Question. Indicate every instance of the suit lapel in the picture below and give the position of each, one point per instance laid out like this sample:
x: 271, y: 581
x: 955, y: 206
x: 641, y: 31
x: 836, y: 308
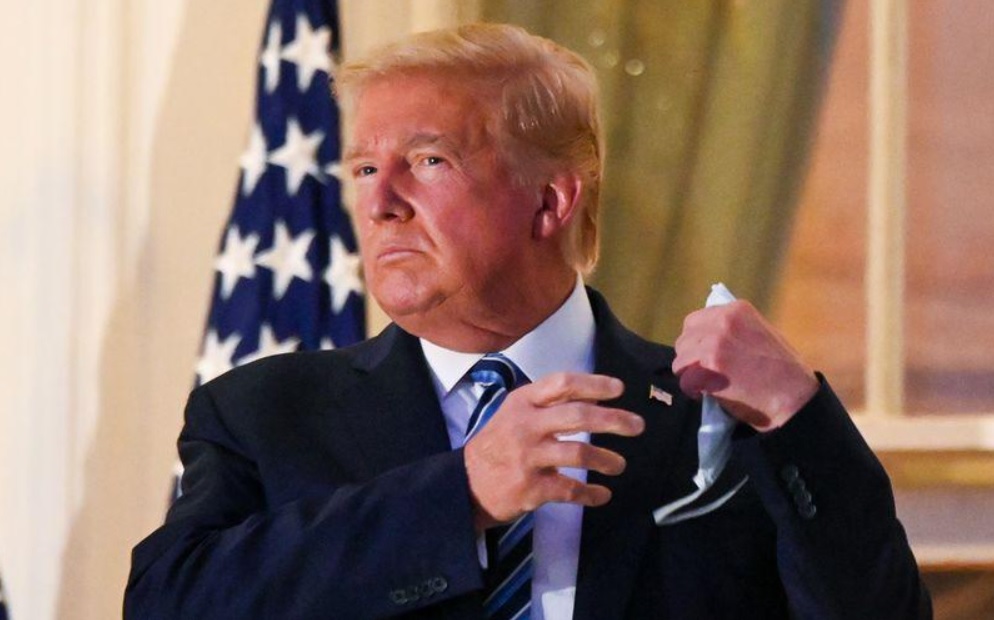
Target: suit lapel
x: 660, y: 464
x: 392, y: 408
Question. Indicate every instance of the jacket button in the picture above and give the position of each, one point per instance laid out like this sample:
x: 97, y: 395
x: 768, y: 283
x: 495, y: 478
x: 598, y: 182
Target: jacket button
x: 416, y: 592
x: 439, y: 584
x: 807, y: 511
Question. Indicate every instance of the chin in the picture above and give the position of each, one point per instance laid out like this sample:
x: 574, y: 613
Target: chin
x: 403, y: 303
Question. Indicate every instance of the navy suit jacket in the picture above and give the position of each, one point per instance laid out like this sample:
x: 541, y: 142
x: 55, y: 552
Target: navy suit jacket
x: 322, y: 485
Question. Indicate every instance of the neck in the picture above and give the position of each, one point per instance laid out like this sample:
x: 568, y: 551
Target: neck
x: 496, y: 326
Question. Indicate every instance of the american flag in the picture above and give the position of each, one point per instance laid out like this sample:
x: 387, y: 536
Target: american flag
x: 288, y: 274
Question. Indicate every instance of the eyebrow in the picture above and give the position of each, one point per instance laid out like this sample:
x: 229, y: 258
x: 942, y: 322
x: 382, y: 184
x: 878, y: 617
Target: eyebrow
x: 352, y: 153
x: 418, y: 140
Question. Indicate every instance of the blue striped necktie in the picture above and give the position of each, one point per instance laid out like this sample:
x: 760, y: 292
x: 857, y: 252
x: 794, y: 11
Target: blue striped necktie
x: 509, y: 547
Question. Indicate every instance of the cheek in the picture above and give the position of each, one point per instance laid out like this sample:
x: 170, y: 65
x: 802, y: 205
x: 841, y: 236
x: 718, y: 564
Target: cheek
x: 364, y: 237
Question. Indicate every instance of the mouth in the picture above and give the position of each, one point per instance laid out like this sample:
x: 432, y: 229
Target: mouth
x: 395, y: 253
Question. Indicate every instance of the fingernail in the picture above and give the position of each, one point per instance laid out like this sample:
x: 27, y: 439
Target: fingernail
x: 639, y: 425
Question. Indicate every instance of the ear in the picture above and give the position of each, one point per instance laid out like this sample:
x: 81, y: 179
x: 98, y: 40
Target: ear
x: 560, y: 202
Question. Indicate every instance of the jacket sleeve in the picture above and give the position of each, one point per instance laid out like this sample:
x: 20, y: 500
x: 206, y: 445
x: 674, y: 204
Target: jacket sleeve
x: 395, y: 543
x: 841, y: 551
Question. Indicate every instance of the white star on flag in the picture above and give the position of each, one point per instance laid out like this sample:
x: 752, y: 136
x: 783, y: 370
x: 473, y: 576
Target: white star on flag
x: 298, y: 155
x: 342, y: 274
x: 253, y: 160
x: 217, y: 356
x: 287, y: 258
x: 269, y: 345
x: 235, y: 261
x: 327, y: 344
x: 309, y: 50
x: 270, y: 57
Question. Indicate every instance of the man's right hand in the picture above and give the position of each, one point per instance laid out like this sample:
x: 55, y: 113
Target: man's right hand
x: 512, y: 463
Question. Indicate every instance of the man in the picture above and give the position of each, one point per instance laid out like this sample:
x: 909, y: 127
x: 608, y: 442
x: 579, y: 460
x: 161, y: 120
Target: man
x: 400, y: 476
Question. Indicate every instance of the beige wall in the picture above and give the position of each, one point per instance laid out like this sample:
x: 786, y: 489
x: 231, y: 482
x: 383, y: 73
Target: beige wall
x: 127, y: 131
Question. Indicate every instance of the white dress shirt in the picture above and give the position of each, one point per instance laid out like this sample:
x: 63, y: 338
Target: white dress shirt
x: 563, y: 342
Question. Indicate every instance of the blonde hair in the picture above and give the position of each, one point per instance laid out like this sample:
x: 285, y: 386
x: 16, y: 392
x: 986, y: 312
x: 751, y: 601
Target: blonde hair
x: 547, y: 112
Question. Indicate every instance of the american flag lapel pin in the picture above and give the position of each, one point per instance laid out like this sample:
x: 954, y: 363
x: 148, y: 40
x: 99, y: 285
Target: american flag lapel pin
x: 660, y: 394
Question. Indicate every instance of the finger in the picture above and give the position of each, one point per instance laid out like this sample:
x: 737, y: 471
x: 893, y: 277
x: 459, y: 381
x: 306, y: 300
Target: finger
x: 565, y: 387
x: 578, y: 454
x: 697, y: 318
x: 696, y: 380
x: 681, y: 362
x: 703, y: 332
x: 578, y: 417
x: 689, y: 348
x: 559, y: 488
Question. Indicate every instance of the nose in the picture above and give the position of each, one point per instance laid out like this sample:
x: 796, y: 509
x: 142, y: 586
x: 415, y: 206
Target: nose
x: 385, y: 201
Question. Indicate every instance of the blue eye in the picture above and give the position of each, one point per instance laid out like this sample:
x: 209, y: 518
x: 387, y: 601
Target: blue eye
x: 365, y: 171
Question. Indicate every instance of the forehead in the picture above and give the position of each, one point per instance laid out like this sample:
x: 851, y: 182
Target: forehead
x: 393, y: 109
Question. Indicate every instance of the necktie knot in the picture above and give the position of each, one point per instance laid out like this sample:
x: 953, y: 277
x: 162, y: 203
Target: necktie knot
x: 498, y: 375
x: 495, y: 369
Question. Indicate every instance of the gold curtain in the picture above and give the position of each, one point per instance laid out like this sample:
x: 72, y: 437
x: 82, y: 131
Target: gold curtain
x: 709, y: 109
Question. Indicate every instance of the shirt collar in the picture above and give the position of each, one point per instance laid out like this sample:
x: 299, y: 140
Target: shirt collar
x: 562, y: 342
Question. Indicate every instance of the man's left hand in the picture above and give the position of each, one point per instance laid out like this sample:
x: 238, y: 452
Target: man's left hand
x: 732, y: 353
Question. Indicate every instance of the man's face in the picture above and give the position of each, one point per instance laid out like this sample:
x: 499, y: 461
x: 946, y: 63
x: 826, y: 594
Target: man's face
x: 446, y: 234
